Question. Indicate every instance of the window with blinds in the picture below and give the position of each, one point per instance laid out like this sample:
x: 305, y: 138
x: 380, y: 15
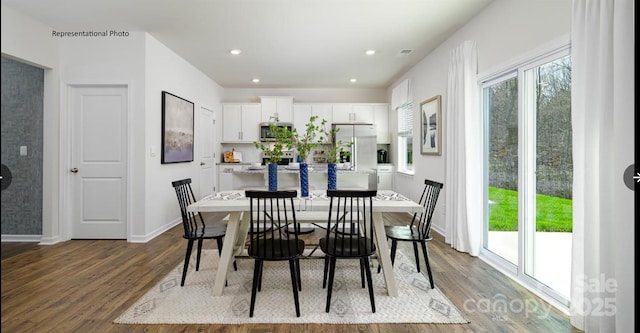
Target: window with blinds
x: 405, y: 119
x: 405, y: 138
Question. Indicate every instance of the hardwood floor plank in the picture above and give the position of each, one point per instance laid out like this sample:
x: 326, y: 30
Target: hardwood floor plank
x: 83, y: 285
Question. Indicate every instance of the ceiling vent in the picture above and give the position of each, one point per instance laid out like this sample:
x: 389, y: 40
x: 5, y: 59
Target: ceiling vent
x: 405, y: 52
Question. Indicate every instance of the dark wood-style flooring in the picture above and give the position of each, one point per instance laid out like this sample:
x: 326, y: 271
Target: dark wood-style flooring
x: 83, y: 285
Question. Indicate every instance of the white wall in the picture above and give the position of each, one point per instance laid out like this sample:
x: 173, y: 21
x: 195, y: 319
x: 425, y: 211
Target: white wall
x: 30, y: 41
x: 165, y: 70
x: 112, y: 60
x: 504, y: 31
x: 139, y: 61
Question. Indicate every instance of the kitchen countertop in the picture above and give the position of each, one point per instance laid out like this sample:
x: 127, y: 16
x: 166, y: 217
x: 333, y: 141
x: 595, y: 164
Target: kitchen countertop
x: 313, y: 169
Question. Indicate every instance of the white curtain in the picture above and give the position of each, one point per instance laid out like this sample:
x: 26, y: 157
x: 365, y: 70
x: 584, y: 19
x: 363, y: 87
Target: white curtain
x: 463, y: 179
x: 602, y: 106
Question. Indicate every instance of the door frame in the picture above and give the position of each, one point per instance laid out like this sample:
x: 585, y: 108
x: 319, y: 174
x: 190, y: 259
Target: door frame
x: 213, y: 151
x: 65, y: 189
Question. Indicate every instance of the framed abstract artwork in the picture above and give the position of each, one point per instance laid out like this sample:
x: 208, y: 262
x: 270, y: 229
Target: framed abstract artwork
x: 431, y: 136
x: 177, y: 129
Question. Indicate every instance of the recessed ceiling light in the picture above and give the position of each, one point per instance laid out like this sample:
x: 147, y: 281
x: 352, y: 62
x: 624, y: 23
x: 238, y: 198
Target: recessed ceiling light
x: 370, y: 52
x: 255, y: 80
x: 353, y: 80
x: 235, y: 51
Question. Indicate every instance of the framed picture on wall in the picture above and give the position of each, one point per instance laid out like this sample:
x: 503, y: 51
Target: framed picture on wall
x: 431, y: 129
x: 177, y: 129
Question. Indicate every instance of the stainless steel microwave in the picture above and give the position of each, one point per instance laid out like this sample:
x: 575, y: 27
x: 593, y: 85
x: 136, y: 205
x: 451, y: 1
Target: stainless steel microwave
x: 266, y: 135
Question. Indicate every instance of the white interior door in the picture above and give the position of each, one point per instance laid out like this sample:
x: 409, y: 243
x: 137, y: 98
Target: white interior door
x: 206, y: 139
x: 99, y: 162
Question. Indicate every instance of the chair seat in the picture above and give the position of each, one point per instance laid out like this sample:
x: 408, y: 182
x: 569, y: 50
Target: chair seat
x: 279, y: 249
x: 404, y: 233
x: 348, y: 247
x: 272, y: 214
x: 210, y: 232
x: 195, y: 229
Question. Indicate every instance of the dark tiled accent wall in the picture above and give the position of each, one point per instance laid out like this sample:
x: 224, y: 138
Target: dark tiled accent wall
x: 22, y: 104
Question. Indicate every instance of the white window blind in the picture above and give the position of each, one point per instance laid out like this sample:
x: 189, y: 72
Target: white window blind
x: 405, y: 119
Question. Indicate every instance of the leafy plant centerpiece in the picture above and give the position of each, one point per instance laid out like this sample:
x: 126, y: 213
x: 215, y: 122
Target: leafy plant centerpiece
x: 275, y: 150
x: 337, y: 148
x: 333, y: 154
x: 311, y: 138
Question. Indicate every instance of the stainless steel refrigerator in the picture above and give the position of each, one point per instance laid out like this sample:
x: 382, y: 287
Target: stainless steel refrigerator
x: 363, y: 151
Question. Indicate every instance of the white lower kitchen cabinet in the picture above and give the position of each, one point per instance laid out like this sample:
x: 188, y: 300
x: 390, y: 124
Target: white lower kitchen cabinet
x: 229, y: 178
x: 385, y: 177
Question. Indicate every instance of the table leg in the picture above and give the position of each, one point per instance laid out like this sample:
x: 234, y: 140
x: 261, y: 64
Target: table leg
x: 243, y: 231
x: 226, y: 257
x: 383, y: 254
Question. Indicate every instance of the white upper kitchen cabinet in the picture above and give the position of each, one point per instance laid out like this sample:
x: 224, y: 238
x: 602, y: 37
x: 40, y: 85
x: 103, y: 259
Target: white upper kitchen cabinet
x: 240, y: 122
x: 301, y: 115
x: 342, y: 113
x: 303, y: 112
x: 280, y: 107
x: 370, y: 113
x: 353, y: 113
x: 323, y: 111
x: 363, y: 113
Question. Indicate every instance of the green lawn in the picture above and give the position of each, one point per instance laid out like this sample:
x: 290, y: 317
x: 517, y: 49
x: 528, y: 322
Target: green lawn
x: 552, y: 214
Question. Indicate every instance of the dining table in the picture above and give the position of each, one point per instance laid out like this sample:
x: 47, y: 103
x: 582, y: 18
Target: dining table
x: 237, y: 205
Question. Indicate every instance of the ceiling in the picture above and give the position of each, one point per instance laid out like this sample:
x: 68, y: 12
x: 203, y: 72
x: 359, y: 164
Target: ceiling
x: 284, y: 43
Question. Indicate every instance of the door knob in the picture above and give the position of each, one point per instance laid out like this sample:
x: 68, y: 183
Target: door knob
x: 74, y: 170
x: 202, y: 163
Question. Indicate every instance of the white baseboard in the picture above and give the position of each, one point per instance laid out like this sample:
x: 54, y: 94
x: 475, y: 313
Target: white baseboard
x: 54, y: 240
x: 50, y: 240
x: 438, y: 230
x: 155, y: 233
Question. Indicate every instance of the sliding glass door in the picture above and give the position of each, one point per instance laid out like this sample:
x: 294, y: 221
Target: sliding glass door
x: 528, y: 172
x: 501, y: 106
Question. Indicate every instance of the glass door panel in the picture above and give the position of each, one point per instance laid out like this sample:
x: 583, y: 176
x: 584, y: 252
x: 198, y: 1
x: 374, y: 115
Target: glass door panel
x: 501, y: 104
x: 548, y: 240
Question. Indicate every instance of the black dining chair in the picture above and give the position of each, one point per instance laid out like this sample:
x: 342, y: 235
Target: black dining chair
x: 272, y: 213
x: 350, y: 235
x: 419, y: 231
x: 195, y: 228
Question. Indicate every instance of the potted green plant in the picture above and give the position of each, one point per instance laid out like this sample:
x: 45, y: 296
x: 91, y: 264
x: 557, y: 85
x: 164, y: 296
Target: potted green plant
x: 334, y: 152
x: 275, y: 150
x: 308, y: 140
x: 304, y: 143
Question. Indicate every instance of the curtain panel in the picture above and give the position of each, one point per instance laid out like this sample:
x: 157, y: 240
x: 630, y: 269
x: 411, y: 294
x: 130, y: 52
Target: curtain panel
x: 602, y: 107
x: 463, y: 179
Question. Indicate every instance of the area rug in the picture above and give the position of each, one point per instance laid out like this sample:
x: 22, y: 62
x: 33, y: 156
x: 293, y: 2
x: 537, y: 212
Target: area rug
x: 168, y: 303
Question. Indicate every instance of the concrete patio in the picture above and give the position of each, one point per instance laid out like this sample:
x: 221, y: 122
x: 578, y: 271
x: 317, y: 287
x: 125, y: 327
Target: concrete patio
x: 552, y: 256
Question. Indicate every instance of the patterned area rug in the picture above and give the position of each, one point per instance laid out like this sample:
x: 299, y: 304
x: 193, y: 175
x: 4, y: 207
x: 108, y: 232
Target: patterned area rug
x: 168, y: 303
